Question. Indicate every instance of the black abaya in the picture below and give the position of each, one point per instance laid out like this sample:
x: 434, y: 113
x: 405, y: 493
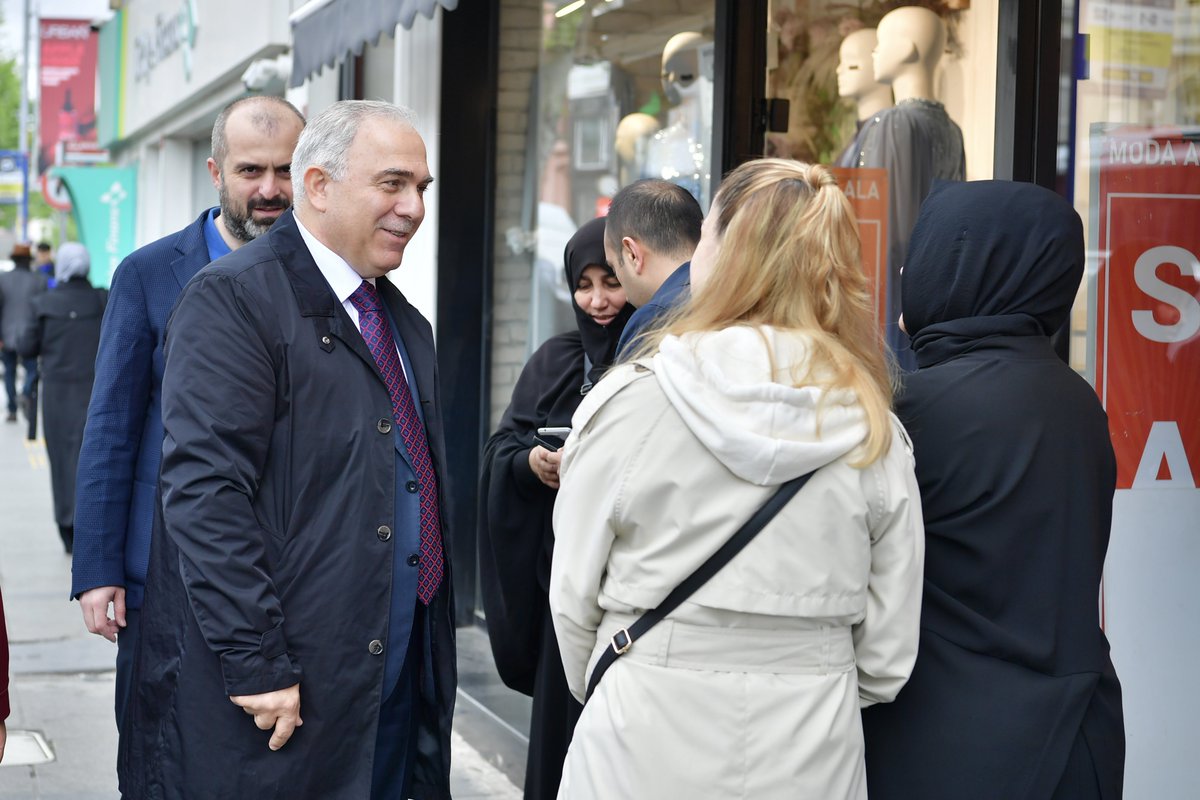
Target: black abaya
x: 1013, y: 694
x: 64, y: 331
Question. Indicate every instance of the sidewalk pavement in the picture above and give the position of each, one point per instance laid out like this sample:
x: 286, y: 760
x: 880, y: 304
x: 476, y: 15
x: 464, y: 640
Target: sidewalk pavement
x: 62, y: 741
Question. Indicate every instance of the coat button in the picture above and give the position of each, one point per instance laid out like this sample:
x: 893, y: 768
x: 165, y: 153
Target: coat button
x: 384, y: 533
x: 375, y: 647
x: 413, y: 560
x: 411, y: 487
x: 325, y: 340
x: 384, y: 425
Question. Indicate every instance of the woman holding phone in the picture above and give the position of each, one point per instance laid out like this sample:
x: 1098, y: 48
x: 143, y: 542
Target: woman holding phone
x: 517, y: 493
x: 774, y: 370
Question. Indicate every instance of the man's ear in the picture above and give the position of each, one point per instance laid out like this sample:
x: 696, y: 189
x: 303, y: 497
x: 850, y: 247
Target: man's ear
x: 637, y: 254
x: 214, y: 172
x: 316, y: 188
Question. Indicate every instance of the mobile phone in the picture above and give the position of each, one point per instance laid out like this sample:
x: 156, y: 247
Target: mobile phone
x: 552, y: 438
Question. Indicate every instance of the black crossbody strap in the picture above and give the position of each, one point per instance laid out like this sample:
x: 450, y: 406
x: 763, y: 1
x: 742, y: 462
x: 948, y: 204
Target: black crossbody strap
x: 623, y: 639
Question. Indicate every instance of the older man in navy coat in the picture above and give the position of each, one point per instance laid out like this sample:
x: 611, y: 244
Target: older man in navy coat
x: 117, y: 480
x: 298, y: 638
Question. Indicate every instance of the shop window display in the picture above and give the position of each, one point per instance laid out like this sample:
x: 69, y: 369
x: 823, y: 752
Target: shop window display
x: 864, y: 89
x: 623, y: 92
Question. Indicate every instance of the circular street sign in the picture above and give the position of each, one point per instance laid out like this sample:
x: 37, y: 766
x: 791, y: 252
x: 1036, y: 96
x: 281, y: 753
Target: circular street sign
x: 55, y: 192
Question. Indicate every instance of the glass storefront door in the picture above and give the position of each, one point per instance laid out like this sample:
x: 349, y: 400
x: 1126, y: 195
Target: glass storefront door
x: 1130, y: 162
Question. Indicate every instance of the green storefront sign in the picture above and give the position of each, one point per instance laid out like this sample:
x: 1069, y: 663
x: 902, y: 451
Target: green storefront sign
x: 105, y: 203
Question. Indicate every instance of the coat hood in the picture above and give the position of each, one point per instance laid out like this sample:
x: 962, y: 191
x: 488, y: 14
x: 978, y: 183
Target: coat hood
x: 733, y: 389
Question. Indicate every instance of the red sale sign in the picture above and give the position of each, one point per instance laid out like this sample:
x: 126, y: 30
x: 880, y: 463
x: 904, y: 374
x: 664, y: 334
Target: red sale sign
x: 867, y: 190
x: 1148, y: 303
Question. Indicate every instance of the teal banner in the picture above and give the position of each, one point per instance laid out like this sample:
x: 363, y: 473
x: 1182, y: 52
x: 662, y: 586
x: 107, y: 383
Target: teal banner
x: 104, y: 200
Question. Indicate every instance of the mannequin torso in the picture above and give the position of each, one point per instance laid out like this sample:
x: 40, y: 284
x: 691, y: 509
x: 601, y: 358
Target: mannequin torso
x: 916, y: 141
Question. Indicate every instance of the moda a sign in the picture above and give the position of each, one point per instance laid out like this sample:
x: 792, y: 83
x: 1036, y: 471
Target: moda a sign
x: 169, y: 34
x: 1148, y: 304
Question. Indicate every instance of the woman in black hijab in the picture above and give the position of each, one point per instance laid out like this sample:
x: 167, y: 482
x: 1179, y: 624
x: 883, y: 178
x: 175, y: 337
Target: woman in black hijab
x: 64, y: 330
x: 1013, y: 694
x: 517, y: 491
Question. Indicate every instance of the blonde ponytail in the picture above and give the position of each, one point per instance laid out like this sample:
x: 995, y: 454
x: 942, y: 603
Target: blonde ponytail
x: 794, y: 261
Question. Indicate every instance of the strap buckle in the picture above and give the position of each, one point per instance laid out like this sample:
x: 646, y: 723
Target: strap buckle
x: 621, y: 641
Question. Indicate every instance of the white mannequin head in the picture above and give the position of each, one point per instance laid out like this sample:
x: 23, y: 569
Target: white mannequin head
x: 856, y: 74
x: 681, y: 66
x: 911, y: 41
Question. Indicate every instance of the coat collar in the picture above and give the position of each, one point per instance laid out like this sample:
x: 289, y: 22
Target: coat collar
x: 316, y: 299
x: 192, y: 251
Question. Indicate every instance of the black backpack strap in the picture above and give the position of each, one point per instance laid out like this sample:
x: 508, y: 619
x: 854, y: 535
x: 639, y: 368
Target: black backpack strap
x: 623, y: 639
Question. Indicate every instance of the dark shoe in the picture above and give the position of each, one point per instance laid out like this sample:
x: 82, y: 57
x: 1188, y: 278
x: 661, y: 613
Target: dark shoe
x: 12, y: 417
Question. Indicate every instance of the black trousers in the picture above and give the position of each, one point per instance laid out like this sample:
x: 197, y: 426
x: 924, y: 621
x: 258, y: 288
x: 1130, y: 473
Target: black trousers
x: 127, y: 639
x: 396, y: 738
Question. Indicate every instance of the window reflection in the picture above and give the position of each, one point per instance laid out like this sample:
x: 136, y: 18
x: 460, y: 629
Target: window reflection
x: 624, y: 91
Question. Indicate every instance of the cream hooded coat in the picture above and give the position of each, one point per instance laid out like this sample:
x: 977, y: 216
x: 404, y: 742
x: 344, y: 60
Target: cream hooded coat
x: 752, y: 688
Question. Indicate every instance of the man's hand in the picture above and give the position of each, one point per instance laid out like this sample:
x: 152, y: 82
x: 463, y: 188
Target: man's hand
x: 95, y: 603
x: 544, y: 464
x: 279, y: 710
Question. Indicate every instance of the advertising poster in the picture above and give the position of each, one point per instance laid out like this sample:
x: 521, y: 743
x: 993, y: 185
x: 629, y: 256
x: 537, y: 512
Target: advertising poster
x: 68, y: 86
x: 1144, y: 243
x: 1148, y: 304
x: 1131, y: 42
x: 105, y: 204
x: 867, y: 190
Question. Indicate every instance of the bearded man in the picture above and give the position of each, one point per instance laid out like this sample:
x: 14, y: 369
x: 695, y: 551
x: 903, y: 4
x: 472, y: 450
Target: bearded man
x: 252, y: 143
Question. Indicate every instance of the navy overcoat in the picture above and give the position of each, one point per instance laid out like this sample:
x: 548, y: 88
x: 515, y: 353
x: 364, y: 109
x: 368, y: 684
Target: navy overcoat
x: 267, y: 562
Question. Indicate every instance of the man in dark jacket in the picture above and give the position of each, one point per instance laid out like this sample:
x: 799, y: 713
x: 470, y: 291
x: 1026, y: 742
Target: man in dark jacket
x: 652, y: 229
x: 298, y: 606
x: 17, y: 290
x: 116, y: 489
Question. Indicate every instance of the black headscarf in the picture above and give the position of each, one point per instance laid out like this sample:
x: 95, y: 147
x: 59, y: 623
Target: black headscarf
x: 585, y: 249
x: 554, y: 381
x: 516, y: 536
x: 989, y: 258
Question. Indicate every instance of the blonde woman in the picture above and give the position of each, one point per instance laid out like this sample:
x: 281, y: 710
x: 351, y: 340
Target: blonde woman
x: 751, y: 688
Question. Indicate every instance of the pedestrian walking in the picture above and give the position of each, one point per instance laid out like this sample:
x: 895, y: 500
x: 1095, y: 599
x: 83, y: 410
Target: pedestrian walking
x: 18, y: 287
x: 517, y: 491
x: 64, y: 332
x: 298, y: 621
x: 1014, y: 694
x: 773, y: 374
x: 43, y: 260
x: 117, y: 487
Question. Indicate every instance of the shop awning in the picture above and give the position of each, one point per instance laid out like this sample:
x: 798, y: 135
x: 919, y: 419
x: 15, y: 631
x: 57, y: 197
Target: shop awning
x: 325, y: 31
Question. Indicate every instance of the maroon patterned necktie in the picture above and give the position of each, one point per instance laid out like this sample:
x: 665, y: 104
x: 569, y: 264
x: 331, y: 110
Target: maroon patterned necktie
x: 377, y: 333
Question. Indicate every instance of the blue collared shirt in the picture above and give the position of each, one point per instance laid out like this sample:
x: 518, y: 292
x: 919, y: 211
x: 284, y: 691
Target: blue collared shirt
x: 212, y: 237
x: 674, y: 290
